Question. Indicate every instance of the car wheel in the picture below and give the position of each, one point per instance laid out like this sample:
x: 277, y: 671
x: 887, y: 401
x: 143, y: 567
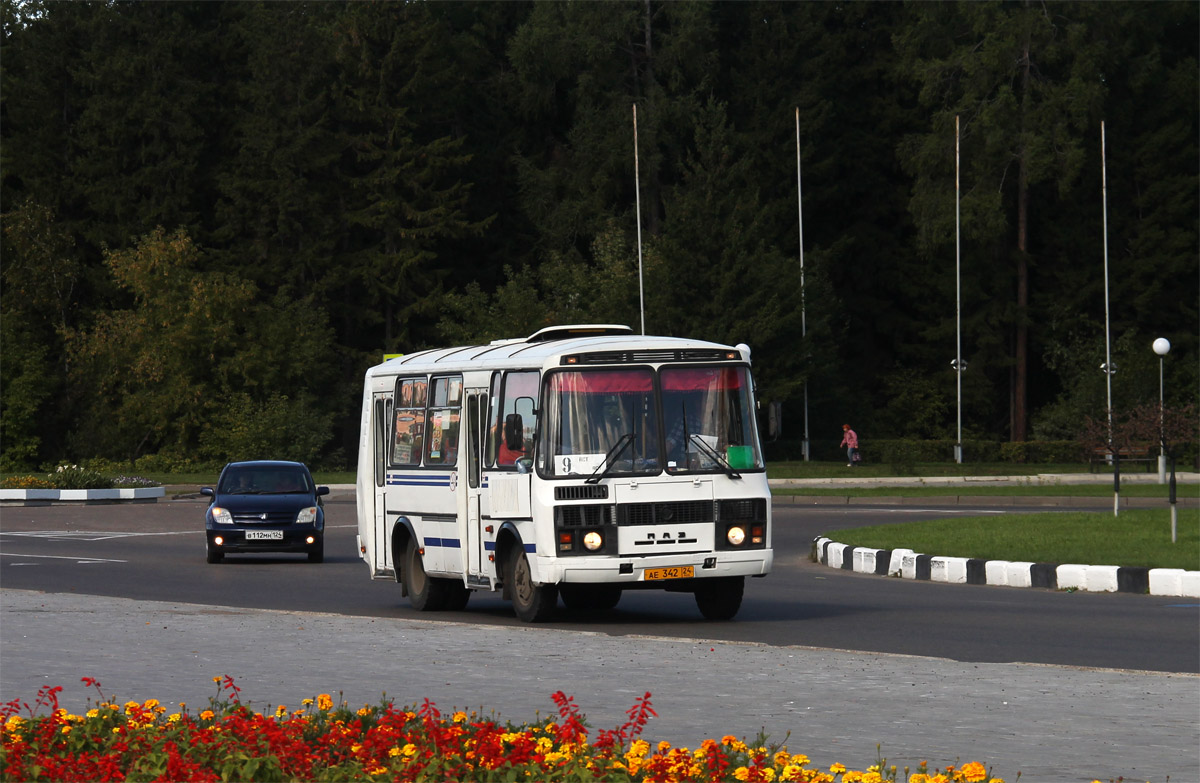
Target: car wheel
x: 590, y: 598
x: 532, y: 603
x: 425, y: 593
x: 214, y: 555
x: 720, y: 598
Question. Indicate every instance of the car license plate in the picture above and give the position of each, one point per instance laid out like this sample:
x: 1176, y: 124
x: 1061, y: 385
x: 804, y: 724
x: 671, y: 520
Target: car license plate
x: 264, y: 535
x: 676, y: 572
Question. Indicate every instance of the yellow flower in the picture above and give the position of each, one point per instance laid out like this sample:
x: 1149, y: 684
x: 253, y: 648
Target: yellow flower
x: 409, y: 750
x: 324, y: 701
x: 459, y: 717
x: 838, y: 769
x: 217, y: 679
x: 973, y: 772
x: 207, y: 715
x: 664, y: 746
x: 741, y: 773
x: 364, y: 712
x: 280, y: 711
x: 66, y: 729
x: 306, y: 702
x: 93, y: 713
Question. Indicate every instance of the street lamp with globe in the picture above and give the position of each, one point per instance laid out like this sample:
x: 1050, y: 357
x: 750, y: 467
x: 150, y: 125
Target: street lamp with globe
x: 1162, y: 347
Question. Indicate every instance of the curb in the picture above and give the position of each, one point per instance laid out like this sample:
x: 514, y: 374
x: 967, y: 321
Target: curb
x: 29, y: 497
x: 907, y: 564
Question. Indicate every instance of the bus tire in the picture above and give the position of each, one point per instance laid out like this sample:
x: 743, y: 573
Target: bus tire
x: 425, y: 593
x: 531, y: 603
x: 457, y: 595
x: 720, y: 598
x: 590, y: 598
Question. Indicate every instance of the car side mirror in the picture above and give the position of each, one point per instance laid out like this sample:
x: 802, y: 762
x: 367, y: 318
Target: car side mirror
x: 514, y: 432
x: 322, y: 491
x: 207, y: 491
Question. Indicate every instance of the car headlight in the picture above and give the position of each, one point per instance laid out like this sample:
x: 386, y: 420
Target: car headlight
x: 593, y: 540
x: 736, y: 535
x: 307, y: 516
x: 222, y: 516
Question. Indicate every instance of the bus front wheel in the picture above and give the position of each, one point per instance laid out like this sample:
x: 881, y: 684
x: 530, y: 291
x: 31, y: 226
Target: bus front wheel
x: 720, y: 598
x: 532, y: 603
x: 424, y: 592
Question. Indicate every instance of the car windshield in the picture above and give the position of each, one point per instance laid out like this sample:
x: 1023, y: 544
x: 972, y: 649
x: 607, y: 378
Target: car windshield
x: 264, y: 481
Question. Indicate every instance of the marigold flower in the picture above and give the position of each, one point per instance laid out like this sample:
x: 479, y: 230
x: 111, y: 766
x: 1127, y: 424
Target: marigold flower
x: 742, y: 773
x: 837, y: 769
x: 207, y: 715
x: 460, y: 717
x: 973, y: 772
x: 324, y: 701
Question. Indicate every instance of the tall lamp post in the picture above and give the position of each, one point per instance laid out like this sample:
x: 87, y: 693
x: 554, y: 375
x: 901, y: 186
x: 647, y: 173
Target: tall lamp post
x: 1162, y: 346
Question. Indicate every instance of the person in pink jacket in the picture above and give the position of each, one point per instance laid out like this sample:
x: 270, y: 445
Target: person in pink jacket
x: 850, y: 441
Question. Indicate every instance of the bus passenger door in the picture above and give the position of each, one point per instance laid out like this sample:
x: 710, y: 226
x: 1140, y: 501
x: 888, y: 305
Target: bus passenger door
x: 477, y: 401
x: 382, y: 426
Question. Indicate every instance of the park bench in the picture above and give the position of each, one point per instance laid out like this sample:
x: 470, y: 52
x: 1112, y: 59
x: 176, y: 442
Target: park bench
x: 1102, y: 456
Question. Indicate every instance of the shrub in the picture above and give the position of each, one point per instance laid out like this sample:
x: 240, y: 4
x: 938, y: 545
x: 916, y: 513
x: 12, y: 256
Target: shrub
x: 75, y: 477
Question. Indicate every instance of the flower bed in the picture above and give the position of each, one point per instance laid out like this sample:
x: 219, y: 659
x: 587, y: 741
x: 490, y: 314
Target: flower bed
x: 71, y: 482
x: 322, y: 741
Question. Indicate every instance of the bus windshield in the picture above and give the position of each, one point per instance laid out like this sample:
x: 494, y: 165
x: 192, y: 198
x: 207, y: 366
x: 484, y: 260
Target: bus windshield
x: 709, y: 422
x: 594, y: 417
x: 606, y: 422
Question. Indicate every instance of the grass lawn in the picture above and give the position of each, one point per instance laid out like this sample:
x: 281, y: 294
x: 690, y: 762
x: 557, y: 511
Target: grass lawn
x: 1138, y: 537
x: 1053, y: 490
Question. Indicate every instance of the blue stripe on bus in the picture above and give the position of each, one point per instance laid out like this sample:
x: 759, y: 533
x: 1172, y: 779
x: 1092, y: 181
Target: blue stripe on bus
x: 490, y: 546
x: 448, y: 543
x: 418, y: 481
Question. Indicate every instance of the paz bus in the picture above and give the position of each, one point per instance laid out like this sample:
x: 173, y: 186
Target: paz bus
x: 576, y: 463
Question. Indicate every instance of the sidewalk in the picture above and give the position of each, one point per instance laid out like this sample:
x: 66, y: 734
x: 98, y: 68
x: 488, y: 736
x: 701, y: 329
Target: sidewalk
x: 1051, y: 723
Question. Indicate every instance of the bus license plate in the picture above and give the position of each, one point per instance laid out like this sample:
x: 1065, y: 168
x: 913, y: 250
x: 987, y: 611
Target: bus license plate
x: 677, y: 572
x: 264, y: 535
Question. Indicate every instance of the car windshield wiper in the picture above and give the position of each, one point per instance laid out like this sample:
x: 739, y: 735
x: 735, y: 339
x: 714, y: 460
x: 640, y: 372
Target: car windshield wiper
x: 714, y: 455
x: 616, y: 451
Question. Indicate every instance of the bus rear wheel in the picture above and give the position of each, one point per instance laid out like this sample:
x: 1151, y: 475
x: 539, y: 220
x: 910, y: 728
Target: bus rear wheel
x: 532, y: 603
x: 425, y: 593
x: 721, y: 597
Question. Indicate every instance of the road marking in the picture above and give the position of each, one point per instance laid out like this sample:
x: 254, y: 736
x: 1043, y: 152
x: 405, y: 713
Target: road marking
x: 82, y: 535
x: 76, y: 558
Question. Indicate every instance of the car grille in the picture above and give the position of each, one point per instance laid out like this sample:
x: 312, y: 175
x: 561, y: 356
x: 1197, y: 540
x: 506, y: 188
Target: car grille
x: 264, y: 518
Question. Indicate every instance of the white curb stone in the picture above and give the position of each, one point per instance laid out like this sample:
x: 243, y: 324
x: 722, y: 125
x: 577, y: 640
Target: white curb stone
x: 1072, y: 576
x: 895, y: 565
x: 996, y: 572
x: 948, y: 569
x: 1102, y: 579
x: 908, y: 565
x: 1190, y: 584
x: 837, y: 553
x: 864, y: 561
x: 1166, y: 581
x: 1019, y: 574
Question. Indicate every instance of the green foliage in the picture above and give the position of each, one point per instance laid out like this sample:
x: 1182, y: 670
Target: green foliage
x: 336, y: 181
x: 276, y: 428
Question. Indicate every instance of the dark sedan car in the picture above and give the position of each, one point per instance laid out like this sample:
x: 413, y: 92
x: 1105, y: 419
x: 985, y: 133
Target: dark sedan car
x: 265, y: 506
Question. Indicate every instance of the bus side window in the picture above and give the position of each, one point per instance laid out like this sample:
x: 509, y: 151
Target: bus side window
x: 410, y: 422
x: 516, y: 418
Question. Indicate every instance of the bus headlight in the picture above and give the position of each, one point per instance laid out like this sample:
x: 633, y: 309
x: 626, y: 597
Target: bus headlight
x: 222, y: 516
x: 736, y: 535
x: 593, y: 541
x: 307, y: 516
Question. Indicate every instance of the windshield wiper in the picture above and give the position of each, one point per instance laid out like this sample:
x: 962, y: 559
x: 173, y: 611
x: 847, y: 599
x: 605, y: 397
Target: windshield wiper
x: 714, y: 455
x: 616, y: 451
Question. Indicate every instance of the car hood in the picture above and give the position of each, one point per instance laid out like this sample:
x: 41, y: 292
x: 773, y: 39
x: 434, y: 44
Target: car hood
x: 289, y: 502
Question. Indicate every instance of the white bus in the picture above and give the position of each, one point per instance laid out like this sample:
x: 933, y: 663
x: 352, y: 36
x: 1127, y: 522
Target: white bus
x: 579, y: 462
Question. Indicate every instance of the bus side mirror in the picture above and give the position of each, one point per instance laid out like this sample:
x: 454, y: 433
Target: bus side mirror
x: 514, y: 432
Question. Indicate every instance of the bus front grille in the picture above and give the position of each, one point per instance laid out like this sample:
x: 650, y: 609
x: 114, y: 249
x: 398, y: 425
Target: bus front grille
x: 583, y: 516
x: 680, y: 512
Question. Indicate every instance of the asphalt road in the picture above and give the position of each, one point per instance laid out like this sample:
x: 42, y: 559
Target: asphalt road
x: 156, y: 552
